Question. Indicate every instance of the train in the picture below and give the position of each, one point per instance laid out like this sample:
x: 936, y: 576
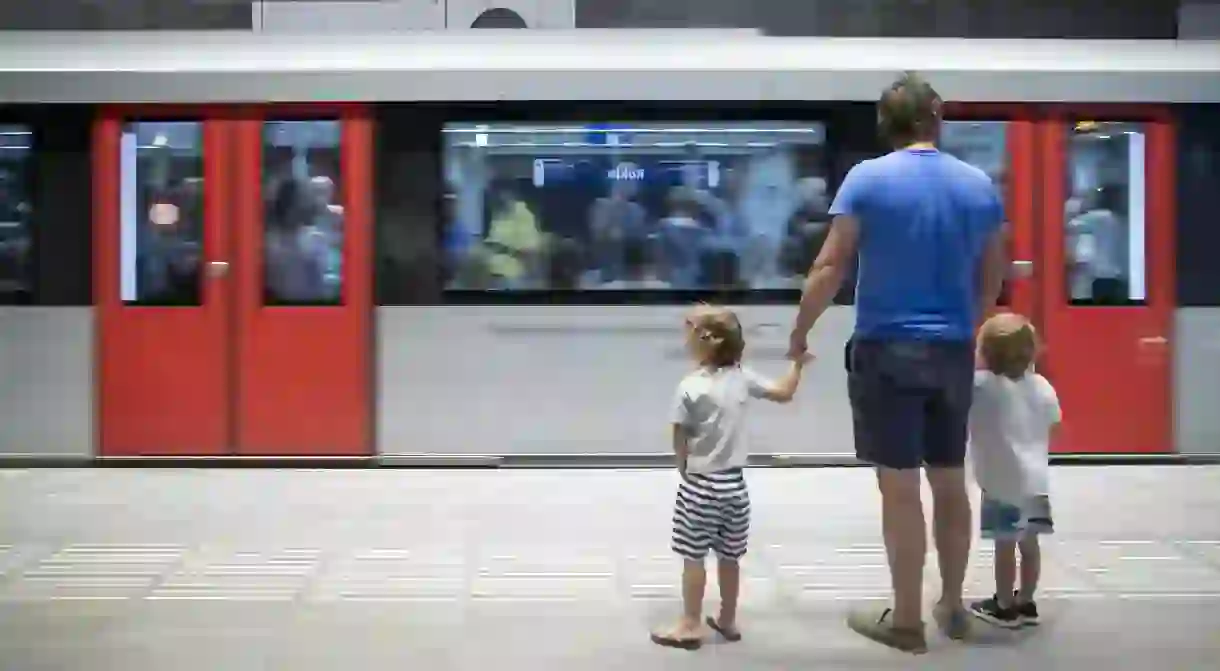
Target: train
x: 476, y: 248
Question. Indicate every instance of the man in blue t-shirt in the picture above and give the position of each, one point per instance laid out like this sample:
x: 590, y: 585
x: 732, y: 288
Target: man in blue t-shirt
x: 927, y: 230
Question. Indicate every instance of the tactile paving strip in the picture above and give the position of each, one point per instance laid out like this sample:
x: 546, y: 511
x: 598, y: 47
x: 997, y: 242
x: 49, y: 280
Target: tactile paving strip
x: 829, y: 572
x: 279, y: 575
x: 8, y: 558
x: 455, y: 574
x: 656, y: 577
x: 392, y: 575
x: 539, y: 574
x: 93, y: 572
x: 1145, y: 566
x: 1207, y: 550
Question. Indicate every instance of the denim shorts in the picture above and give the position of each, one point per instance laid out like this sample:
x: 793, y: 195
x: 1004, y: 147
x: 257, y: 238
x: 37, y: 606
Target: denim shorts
x: 1006, y: 522
x: 910, y: 401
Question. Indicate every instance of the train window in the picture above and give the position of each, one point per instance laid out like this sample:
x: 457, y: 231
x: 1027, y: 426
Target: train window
x: 1104, y: 214
x: 161, y: 212
x: 983, y: 144
x: 16, y: 271
x: 640, y: 207
x: 303, y: 222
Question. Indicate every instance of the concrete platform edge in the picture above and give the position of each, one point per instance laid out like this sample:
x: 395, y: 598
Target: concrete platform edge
x: 631, y: 461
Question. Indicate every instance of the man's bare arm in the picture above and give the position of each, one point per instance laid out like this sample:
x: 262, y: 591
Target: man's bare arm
x: 827, y: 273
x: 994, y: 268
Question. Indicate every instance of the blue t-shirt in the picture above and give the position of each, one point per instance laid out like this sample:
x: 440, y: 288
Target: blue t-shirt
x: 925, y: 218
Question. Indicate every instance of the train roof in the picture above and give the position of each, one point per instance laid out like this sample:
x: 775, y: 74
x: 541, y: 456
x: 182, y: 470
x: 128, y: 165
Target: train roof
x: 198, y: 67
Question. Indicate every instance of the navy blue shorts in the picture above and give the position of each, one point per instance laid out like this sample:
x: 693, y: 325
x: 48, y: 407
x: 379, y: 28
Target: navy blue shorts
x: 910, y: 401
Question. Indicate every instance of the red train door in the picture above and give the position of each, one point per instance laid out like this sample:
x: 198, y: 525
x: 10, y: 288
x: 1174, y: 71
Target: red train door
x: 305, y: 374
x: 164, y: 315
x: 1107, y: 283
x: 233, y: 281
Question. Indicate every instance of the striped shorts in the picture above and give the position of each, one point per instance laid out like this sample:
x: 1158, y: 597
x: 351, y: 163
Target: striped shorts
x: 712, y: 513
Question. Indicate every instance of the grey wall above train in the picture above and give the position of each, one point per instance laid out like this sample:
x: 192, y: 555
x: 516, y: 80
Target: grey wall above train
x: 549, y: 65
x: 1071, y: 19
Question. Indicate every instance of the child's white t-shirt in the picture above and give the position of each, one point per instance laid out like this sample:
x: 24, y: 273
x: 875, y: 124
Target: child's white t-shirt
x: 711, y: 406
x: 1010, y: 428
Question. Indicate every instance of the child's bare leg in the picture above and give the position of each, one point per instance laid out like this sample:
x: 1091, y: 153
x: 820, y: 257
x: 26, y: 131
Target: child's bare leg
x: 694, y: 582
x: 1005, y: 571
x: 1031, y: 568
x: 729, y: 575
x: 688, y: 632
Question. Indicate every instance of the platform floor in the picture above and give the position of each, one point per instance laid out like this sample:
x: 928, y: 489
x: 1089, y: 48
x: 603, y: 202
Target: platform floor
x: 214, y: 570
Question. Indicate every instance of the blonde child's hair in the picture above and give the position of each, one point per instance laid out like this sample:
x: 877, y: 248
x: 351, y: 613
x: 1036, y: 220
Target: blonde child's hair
x: 719, y: 331
x: 1008, y: 345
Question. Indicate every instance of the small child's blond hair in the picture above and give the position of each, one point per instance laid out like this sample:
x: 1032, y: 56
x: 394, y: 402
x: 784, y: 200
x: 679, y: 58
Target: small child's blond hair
x: 1008, y: 345
x: 719, y: 330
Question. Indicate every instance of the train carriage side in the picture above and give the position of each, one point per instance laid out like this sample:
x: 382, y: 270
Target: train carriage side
x: 491, y: 267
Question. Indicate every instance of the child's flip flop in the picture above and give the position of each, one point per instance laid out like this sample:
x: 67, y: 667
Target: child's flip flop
x: 730, y: 636
x: 679, y: 643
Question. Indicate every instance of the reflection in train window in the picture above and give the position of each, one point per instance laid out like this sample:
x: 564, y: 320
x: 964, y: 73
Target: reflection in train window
x: 632, y: 206
x: 15, y: 212
x: 303, y: 222
x: 1104, y: 214
x: 983, y: 144
x: 161, y: 212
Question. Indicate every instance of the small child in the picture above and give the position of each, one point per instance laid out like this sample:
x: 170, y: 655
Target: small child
x: 1014, y: 412
x: 709, y: 434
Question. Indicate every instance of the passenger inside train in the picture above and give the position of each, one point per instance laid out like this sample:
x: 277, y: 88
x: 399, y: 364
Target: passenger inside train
x: 682, y: 206
x: 15, y: 212
x: 168, y: 259
x: 303, y: 223
x: 1101, y: 242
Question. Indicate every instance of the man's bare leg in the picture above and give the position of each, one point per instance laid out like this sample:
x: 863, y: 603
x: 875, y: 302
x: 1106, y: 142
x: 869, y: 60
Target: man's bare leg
x: 905, y: 534
x: 951, y: 530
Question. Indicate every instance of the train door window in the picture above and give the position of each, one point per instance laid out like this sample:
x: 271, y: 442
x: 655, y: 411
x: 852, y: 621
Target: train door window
x: 983, y: 144
x: 16, y: 152
x: 303, y: 222
x: 161, y: 211
x: 1104, y: 228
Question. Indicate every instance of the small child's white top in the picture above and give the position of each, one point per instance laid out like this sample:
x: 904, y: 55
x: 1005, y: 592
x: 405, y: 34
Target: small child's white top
x: 1010, y: 431
x: 711, y: 406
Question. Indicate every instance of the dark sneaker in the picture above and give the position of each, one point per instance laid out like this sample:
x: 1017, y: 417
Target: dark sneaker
x: 1028, y: 612
x: 990, y: 611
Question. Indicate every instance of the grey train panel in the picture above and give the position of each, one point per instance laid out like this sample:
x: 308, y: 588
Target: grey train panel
x: 330, y: 16
x: 582, y: 381
x: 565, y: 65
x: 46, y: 382
x: 1197, y: 380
